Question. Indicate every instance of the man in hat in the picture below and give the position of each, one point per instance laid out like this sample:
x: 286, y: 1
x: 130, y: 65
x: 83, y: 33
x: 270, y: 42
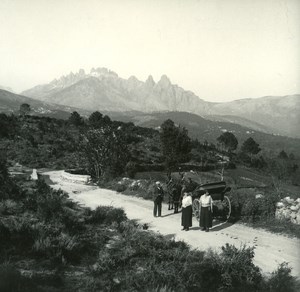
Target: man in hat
x: 158, y: 196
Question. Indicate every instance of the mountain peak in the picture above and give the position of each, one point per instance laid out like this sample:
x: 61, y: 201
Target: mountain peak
x: 150, y: 82
x: 164, y: 81
x: 102, y: 72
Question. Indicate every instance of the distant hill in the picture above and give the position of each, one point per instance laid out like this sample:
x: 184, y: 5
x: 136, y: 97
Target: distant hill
x: 10, y: 103
x: 280, y: 114
x: 6, y: 88
x: 198, y: 127
x: 240, y: 121
x: 204, y: 129
x: 103, y: 90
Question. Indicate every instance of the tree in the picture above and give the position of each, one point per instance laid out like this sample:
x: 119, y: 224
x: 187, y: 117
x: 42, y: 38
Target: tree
x: 175, y: 143
x: 96, y: 119
x: 106, y: 152
x: 282, y: 155
x: 8, y: 125
x: 250, y: 147
x: 24, y: 109
x: 228, y: 140
x: 76, y: 119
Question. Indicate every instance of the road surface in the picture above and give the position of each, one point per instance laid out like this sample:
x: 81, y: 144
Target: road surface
x: 270, y: 249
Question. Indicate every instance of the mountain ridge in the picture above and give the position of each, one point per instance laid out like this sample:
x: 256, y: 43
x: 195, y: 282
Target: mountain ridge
x: 102, y: 89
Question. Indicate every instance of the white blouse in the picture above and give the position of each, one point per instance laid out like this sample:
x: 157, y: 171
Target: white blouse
x: 206, y: 201
x: 186, y: 201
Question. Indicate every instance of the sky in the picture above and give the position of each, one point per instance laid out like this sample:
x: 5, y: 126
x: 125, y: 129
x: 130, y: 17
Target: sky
x: 222, y: 50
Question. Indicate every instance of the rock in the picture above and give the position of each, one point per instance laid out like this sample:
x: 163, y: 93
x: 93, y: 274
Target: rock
x: 279, y: 205
x: 295, y: 208
x: 259, y: 196
x: 34, y: 175
x: 297, y: 219
x: 288, y: 200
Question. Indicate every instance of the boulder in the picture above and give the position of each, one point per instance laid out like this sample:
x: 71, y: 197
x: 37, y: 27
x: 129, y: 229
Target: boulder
x: 295, y: 208
x: 34, y: 175
x: 279, y: 205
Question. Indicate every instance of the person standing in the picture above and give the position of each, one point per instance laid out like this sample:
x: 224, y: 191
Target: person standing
x: 176, y: 196
x: 187, y: 212
x: 170, y: 186
x: 206, y: 209
x: 158, y: 198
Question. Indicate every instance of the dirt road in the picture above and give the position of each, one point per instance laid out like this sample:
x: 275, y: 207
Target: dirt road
x: 270, y: 249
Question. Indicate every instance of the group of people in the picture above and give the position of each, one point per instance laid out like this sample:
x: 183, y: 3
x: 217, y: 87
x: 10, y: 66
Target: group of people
x: 186, y: 201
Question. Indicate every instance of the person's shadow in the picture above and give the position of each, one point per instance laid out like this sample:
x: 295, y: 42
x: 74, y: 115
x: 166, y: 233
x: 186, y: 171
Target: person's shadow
x: 170, y: 214
x: 217, y: 226
x: 220, y: 225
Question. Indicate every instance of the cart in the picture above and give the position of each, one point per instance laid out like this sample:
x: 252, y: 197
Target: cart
x: 221, y: 202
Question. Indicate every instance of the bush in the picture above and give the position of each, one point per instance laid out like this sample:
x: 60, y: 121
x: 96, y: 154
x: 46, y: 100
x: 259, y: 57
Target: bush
x: 282, y: 280
x: 246, y: 206
x: 11, y: 280
x: 107, y: 215
x: 49, y: 202
x: 131, y: 169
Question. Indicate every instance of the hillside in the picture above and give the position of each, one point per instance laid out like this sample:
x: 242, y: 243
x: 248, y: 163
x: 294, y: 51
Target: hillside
x: 199, y: 127
x: 204, y: 129
x: 281, y: 114
x: 10, y: 103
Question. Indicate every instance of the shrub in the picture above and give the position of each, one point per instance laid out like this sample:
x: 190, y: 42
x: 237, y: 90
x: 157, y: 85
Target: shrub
x: 49, y: 202
x: 10, y: 278
x: 282, y: 281
x: 131, y: 169
x: 107, y: 215
x: 245, y: 205
x: 121, y: 188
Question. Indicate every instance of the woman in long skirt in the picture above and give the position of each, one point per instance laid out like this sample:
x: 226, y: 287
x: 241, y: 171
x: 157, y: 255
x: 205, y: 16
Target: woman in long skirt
x: 206, y: 209
x: 187, y: 212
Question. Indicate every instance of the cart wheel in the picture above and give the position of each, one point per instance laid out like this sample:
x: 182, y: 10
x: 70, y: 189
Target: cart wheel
x: 226, y: 207
x: 196, y: 209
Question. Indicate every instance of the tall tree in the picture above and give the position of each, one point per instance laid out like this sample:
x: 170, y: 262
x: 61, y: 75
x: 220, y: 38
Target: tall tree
x: 175, y: 143
x: 282, y: 155
x: 24, y: 109
x: 250, y: 147
x: 76, y: 119
x: 106, y: 151
x: 96, y: 119
x: 229, y: 141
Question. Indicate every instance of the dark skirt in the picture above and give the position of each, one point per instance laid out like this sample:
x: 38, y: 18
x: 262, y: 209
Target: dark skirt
x: 186, y: 216
x: 205, y: 217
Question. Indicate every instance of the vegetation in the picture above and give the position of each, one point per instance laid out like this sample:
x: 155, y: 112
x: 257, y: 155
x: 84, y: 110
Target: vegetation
x: 229, y: 141
x: 49, y: 243
x: 24, y: 109
x: 46, y: 239
x: 175, y: 144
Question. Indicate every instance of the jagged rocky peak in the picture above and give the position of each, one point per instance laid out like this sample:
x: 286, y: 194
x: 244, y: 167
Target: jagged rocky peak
x: 133, y: 80
x: 150, y: 82
x: 164, y: 81
x: 69, y: 79
x: 81, y: 72
x: 102, y: 72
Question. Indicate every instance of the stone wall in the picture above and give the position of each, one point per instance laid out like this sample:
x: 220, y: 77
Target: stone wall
x: 288, y: 209
x: 75, y: 178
